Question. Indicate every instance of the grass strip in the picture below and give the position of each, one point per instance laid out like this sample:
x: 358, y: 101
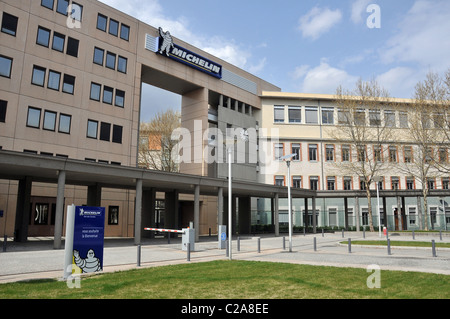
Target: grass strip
x: 397, y: 243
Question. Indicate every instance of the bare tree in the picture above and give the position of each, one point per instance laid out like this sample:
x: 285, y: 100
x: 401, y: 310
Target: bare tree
x: 156, y: 144
x: 364, y: 131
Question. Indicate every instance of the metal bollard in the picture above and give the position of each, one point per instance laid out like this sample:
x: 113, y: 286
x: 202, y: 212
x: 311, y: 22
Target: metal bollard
x: 433, y: 248
x: 315, y: 244
x: 227, y: 253
x: 413, y: 235
x: 364, y: 232
x: 239, y: 244
x: 168, y: 238
x: 284, y: 243
x: 342, y: 232
x: 139, y: 255
x: 440, y: 234
x: 389, y: 247
x: 259, y: 245
x: 387, y: 234
x: 322, y: 232
x: 188, y: 252
x: 349, y: 245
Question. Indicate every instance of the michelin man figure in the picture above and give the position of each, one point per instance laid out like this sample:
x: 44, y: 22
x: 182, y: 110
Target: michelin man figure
x: 89, y: 264
x: 167, y: 42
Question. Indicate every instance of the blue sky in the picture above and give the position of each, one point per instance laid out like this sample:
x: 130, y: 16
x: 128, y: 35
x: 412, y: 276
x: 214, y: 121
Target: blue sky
x: 311, y: 46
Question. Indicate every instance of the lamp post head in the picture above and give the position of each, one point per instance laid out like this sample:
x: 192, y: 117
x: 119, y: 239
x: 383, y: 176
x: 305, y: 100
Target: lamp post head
x: 288, y: 158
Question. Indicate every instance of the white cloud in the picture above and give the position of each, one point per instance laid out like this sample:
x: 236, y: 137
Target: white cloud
x: 400, y: 81
x: 318, y: 21
x: 323, y: 79
x: 358, y: 8
x: 423, y: 36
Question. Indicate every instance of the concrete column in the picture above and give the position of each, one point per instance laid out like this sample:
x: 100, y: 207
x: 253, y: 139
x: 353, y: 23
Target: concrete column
x: 23, y: 210
x: 357, y: 221
x: 419, y: 211
x: 305, y: 216
x: 346, y: 213
x: 138, y: 213
x: 171, y: 210
x: 197, y: 212
x: 220, y: 207
x: 59, y: 210
x: 276, y: 216
x: 245, y: 215
x: 399, y: 213
x: 314, y: 215
x: 148, y: 211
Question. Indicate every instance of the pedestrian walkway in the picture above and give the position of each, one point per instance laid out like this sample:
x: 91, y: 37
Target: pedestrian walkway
x: 36, y: 259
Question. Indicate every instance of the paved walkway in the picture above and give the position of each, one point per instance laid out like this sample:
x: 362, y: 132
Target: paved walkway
x: 37, y: 259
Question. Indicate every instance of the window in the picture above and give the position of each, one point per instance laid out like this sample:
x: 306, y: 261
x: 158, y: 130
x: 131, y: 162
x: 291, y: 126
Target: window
x: 311, y: 115
x: 362, y: 183
x: 105, y: 131
x: 124, y: 32
x: 102, y: 21
x: 34, y: 117
x: 72, y: 47
x: 122, y: 64
x: 54, y: 79
x: 92, y: 129
x: 445, y: 181
x: 374, y: 117
x: 279, y: 150
x: 110, y: 60
x: 395, y: 182
x: 332, y: 213
x: 98, y: 56
x: 412, y: 215
x: 297, y: 181
x: 327, y: 116
x: 38, y: 76
x: 58, y: 41
x: 403, y: 119
x: 365, y: 216
x: 360, y: 117
x: 347, y: 183
x: 410, y: 182
x: 314, y: 183
x: 428, y: 155
x: 117, y: 134
x: 331, y: 183
x: 442, y: 155
x: 346, y: 153
x: 49, y: 121
x: 377, y: 154
x: 312, y: 152
x: 43, y: 37
x: 95, y: 91
x: 120, y: 98
x: 296, y: 151
x: 47, y: 3
x: 362, y: 154
x: 389, y: 118
x: 5, y: 66
x: 108, y: 94
x: 9, y: 24
x: 64, y: 123
x: 113, y: 215
x: 295, y: 114
x: 279, y: 180
x: 407, y: 154
x: 68, y: 84
x: 278, y: 114
x: 113, y: 27
x: 3, y: 106
x: 329, y: 152
x: 61, y: 6
x: 392, y: 154
x: 77, y: 11
x: 343, y: 117
x: 431, y: 183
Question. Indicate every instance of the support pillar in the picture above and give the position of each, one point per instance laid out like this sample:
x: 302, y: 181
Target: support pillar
x: 314, y: 215
x: 399, y: 213
x: 94, y: 195
x: 59, y: 210
x: 419, y: 212
x: 357, y: 220
x: 220, y: 208
x: 138, y: 213
x: 171, y: 210
x: 346, y: 213
x: 197, y: 212
x: 245, y: 215
x: 276, y: 216
x: 23, y: 210
x: 148, y: 211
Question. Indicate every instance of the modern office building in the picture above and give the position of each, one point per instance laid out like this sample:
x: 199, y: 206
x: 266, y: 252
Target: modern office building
x: 71, y: 78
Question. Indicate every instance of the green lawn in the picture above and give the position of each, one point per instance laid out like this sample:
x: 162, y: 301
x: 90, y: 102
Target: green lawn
x: 398, y: 243
x: 238, y: 279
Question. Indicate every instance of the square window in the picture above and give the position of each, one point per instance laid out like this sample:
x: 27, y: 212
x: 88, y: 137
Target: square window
x: 327, y: 116
x: 108, y: 94
x: 124, y: 32
x: 5, y: 66
x: 34, y: 117
x: 95, y: 91
x: 110, y: 60
x: 311, y: 115
x: 38, y: 76
x: 58, y: 41
x: 117, y: 134
x: 62, y: 6
x: 120, y: 98
x: 43, y: 37
x: 113, y: 27
x: 9, y: 24
x: 92, y: 129
x: 48, y: 4
x: 64, y: 123
x: 72, y: 47
x: 122, y: 64
x: 54, y: 80
x: 295, y: 114
x: 278, y: 114
x: 102, y: 21
x: 49, y: 121
x: 105, y: 131
x: 98, y: 56
x: 68, y: 84
x: 3, y: 106
x: 113, y: 215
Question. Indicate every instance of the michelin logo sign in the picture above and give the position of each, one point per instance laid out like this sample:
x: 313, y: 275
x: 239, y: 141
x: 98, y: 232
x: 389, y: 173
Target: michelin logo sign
x: 166, y: 47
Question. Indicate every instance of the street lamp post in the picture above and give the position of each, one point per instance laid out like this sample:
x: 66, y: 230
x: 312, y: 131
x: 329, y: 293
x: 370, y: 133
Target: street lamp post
x: 229, y: 150
x: 288, y: 159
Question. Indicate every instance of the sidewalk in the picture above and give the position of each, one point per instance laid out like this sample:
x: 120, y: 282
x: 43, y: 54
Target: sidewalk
x: 36, y: 259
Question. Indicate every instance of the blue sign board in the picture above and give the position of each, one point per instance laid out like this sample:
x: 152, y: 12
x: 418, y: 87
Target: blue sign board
x: 88, y: 238
x: 223, y: 236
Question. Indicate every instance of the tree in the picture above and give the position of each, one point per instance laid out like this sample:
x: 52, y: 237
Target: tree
x: 363, y: 131
x: 156, y: 144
